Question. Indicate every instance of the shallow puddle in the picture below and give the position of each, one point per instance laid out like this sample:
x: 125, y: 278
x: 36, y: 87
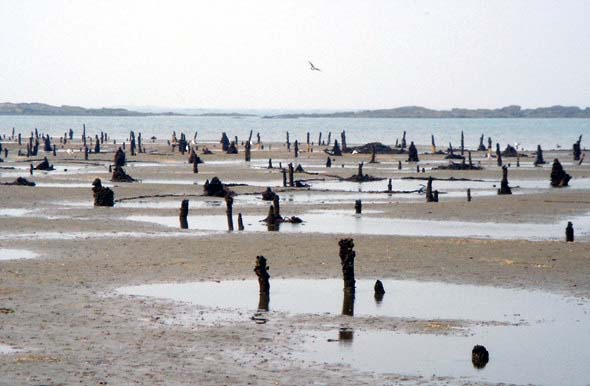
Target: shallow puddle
x: 16, y: 254
x: 335, y: 222
x: 544, y: 342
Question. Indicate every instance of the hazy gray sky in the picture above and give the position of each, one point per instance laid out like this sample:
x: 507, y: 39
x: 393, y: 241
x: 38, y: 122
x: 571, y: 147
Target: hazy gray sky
x: 253, y: 54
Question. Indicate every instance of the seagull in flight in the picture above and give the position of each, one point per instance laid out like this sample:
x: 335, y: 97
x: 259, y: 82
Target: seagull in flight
x: 313, y: 68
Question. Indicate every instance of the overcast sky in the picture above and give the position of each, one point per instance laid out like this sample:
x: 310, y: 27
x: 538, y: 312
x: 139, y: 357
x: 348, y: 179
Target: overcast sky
x: 254, y: 54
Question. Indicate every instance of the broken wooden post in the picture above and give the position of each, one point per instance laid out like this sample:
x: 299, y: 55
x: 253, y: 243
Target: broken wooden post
x: 470, y: 161
x: 435, y: 195
x: 347, y: 256
x: 284, y: 171
x: 336, y: 149
x: 412, y: 153
x: 517, y: 160
x: 276, y: 205
x: 468, y: 195
x: 429, y: 193
x: 432, y: 144
x: 291, y: 180
x: 102, y: 196
x: 498, y: 155
x: 240, y: 222
x: 320, y: 139
x: 97, y: 144
x: 119, y: 158
x: 195, y: 165
x: 296, y: 148
x: 389, y: 186
x: 373, y: 155
x: 183, y: 215
x: 358, y: 207
x: 308, y: 143
x: 504, y: 187
x: 54, y: 150
x: 539, y: 158
x: 343, y: 138
x: 404, y: 141
x: 360, y: 172
x: 329, y: 138
x: 31, y: 169
x: 462, y: 143
x: 84, y: 134
x: 288, y: 143
x: 479, y: 357
x: 559, y: 178
x: 224, y: 142
x: 261, y: 270
x: 329, y: 162
x: 577, y: 149
x: 247, y: 149
x: 569, y: 232
x: 379, y: 291
x: 481, y: 146
x: 85, y: 153
x: 399, y: 165
x: 417, y: 168
x: 229, y: 201
x: 270, y: 163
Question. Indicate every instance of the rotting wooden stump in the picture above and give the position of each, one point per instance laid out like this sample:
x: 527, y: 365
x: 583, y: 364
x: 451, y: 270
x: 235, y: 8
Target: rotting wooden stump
x: 224, y: 142
x: 569, y: 232
x: 215, y: 188
x: 413, y: 153
x: 510, y: 151
x: 479, y: 356
x: 361, y: 177
x: 119, y: 175
x: 119, y: 159
x: 229, y: 202
x: 379, y: 291
x: 44, y: 165
x: 559, y: 178
x: 431, y: 196
x: 261, y: 269
x: 347, y: 256
x: 103, y: 196
x: 336, y: 151
x: 268, y: 194
x: 183, y: 215
x: 358, y: 207
x: 232, y: 149
x: 504, y: 187
x: 481, y: 146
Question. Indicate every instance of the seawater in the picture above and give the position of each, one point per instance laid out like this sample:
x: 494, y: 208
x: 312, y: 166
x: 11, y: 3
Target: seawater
x: 549, y: 133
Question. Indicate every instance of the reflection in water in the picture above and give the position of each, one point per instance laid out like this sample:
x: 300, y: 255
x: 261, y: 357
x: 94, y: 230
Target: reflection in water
x: 378, y: 298
x: 273, y: 226
x: 348, y: 302
x: 183, y: 223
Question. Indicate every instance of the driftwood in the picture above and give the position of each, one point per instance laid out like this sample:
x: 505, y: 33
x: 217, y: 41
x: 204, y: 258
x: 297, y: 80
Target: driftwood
x: 103, y: 196
x: 20, y: 181
x: 559, y: 178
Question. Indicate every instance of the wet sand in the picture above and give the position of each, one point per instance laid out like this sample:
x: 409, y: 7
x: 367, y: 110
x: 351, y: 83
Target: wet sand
x: 70, y: 326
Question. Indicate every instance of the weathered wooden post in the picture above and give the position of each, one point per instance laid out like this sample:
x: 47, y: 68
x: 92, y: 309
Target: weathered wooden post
x: 417, y: 168
x: 498, y: 155
x: 336, y: 149
x: 399, y: 165
x: 430, y: 195
x: 288, y: 143
x: 329, y: 162
x: 247, y: 149
x: 320, y: 139
x: 240, y: 222
x: 462, y: 143
x: 85, y: 153
x: 569, y: 232
x: 577, y: 149
x: 360, y: 171
x: 270, y: 163
x: 97, y: 144
x: 308, y: 143
x: 291, y: 180
x: 373, y: 155
x: 261, y: 270
x: 347, y: 256
x: 468, y: 195
x: 329, y: 138
x: 481, y: 146
x: 296, y: 148
x: 84, y: 134
x: 31, y: 169
x: 277, y: 206
x: 195, y: 165
x: 20, y: 142
x: 343, y: 138
x: 479, y: 357
x: 389, y: 186
x: 183, y: 215
x: 224, y: 142
x: 432, y: 144
x: 504, y: 187
x: 517, y: 160
x: 229, y: 201
x: 404, y: 140
x: 358, y: 206
x: 470, y: 161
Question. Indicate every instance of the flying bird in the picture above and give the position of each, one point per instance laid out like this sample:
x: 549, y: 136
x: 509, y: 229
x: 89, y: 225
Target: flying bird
x: 313, y: 68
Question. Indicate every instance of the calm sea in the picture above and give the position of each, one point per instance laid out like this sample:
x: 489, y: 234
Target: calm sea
x: 549, y: 133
